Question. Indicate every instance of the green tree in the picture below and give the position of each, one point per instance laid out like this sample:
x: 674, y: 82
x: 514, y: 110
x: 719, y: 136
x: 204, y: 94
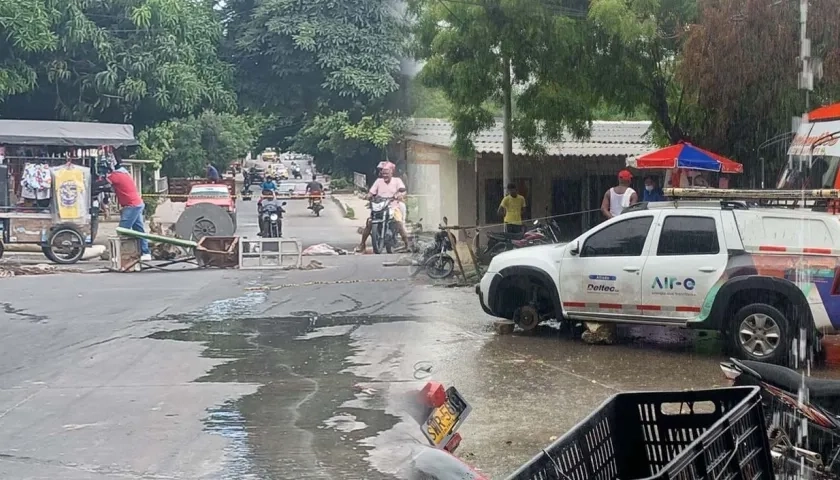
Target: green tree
x: 298, y: 57
x: 27, y: 29
x: 137, y: 61
x: 344, y: 146
x: 638, y: 53
x: 182, y: 147
x: 743, y: 75
x: 466, y: 46
x: 316, y: 65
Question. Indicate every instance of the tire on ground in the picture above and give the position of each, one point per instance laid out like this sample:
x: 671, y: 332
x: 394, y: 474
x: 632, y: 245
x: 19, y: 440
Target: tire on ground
x: 73, y: 233
x: 755, y: 316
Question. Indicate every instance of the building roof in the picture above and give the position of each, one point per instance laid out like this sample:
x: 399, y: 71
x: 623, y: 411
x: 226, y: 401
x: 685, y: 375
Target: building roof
x: 607, y: 139
x: 66, y: 134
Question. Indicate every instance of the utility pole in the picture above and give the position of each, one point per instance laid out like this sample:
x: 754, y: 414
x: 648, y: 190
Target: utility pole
x: 806, y: 77
x: 507, y: 141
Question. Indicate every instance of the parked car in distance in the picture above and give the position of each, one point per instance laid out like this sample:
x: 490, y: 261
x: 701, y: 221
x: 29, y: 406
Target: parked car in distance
x: 216, y: 194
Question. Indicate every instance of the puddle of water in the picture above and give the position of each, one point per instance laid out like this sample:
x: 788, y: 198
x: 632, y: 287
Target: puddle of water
x: 333, y: 331
x: 344, y: 423
x: 279, y: 431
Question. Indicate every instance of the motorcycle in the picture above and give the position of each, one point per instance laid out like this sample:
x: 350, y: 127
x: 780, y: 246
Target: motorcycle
x: 541, y: 233
x: 434, y: 259
x: 296, y: 173
x: 246, y: 193
x: 271, y: 217
x: 316, y: 206
x: 796, y: 407
x: 383, y: 228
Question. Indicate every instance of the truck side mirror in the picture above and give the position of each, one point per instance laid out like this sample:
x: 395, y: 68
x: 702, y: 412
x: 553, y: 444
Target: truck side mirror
x: 574, y: 248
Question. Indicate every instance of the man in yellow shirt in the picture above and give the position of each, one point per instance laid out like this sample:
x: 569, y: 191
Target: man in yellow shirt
x: 511, y: 207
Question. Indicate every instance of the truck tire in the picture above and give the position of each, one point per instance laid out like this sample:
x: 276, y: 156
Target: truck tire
x: 760, y: 332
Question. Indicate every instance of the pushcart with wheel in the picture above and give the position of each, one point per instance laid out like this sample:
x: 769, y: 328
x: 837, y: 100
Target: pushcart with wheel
x: 62, y: 243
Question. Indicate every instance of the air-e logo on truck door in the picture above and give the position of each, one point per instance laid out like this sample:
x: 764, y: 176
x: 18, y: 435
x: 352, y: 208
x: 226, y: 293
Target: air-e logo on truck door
x: 670, y: 283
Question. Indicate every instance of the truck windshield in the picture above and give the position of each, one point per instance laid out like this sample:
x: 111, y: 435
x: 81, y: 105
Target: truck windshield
x: 821, y: 173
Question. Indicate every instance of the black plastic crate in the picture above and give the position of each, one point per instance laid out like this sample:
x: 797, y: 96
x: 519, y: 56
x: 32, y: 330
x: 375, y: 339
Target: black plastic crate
x: 704, y: 434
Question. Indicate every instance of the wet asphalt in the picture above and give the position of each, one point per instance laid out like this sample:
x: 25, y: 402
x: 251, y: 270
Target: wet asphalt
x: 291, y: 374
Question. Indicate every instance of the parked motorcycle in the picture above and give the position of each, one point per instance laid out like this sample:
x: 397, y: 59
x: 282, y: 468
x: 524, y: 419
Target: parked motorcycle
x: 434, y: 258
x: 383, y: 228
x: 271, y: 213
x: 541, y: 232
x: 792, y: 399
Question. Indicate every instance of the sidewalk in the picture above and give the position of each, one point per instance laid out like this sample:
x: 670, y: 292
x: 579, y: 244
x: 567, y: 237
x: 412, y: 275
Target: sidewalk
x: 347, y: 202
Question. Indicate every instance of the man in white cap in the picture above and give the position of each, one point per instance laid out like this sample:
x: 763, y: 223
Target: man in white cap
x: 388, y: 186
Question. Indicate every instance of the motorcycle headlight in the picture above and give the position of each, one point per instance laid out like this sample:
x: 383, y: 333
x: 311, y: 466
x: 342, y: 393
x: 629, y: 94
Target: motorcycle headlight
x: 273, y: 217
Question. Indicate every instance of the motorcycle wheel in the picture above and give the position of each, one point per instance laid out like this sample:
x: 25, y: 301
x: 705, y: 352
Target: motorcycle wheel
x: 440, y: 266
x: 377, y: 238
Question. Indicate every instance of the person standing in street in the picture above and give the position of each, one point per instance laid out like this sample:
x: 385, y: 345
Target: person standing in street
x: 131, y: 205
x: 511, y: 208
x: 619, y: 197
x: 212, y: 173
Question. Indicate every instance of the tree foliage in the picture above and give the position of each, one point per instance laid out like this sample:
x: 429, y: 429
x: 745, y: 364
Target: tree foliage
x: 296, y: 57
x: 319, y: 67
x: 462, y: 43
x: 345, y: 145
x: 740, y: 67
x: 640, y: 45
x: 137, y: 61
x: 182, y: 147
x: 27, y: 29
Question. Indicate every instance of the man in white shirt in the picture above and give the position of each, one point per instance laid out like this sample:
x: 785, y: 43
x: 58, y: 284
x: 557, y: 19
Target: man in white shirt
x: 388, y: 186
x: 619, y: 197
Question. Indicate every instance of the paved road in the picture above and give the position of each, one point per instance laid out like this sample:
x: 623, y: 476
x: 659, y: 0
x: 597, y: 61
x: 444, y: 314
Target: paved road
x: 300, y: 222
x: 288, y: 374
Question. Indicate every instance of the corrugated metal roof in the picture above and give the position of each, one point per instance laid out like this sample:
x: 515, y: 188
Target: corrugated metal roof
x: 608, y: 138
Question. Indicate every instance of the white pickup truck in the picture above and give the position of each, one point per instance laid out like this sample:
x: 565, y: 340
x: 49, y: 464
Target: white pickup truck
x: 758, y: 275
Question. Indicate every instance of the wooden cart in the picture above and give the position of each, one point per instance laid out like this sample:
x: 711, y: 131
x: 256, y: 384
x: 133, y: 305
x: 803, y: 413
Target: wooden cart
x: 61, y: 243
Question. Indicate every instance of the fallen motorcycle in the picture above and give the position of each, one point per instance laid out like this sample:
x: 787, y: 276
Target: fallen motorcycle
x: 794, y: 404
x: 440, y: 412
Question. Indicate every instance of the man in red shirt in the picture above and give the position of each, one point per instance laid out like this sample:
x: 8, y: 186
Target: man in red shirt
x: 132, y: 206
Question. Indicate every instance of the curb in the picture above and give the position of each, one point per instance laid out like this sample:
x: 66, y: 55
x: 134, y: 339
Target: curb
x: 341, y: 206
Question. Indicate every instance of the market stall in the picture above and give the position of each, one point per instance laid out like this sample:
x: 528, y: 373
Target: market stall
x: 49, y: 191
x: 685, y: 165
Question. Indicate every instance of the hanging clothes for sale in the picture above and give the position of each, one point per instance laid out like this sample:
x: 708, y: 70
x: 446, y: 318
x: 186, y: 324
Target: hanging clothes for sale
x: 71, y: 193
x: 36, y: 182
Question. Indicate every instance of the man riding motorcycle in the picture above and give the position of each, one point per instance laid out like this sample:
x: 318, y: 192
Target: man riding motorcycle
x: 314, y: 189
x: 267, y: 196
x: 388, y: 186
x: 269, y: 185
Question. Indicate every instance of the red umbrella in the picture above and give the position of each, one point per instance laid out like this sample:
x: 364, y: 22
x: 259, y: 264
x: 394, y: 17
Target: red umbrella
x: 685, y: 155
